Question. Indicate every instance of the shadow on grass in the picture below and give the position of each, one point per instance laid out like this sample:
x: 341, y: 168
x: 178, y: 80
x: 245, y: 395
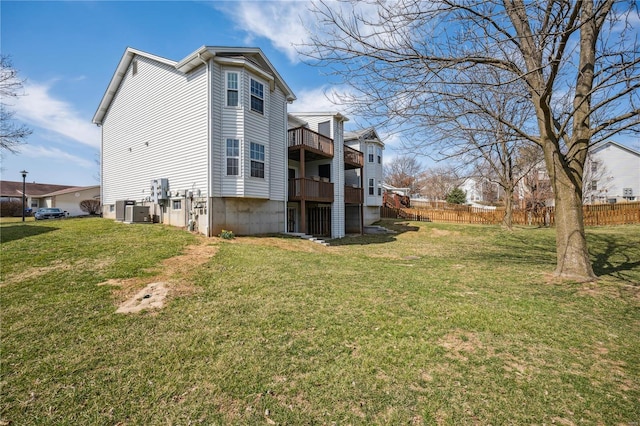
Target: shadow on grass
x: 397, y: 227
x: 615, y: 259
x: 17, y: 232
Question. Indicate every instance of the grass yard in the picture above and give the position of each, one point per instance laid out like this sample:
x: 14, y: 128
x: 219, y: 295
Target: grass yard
x: 438, y: 324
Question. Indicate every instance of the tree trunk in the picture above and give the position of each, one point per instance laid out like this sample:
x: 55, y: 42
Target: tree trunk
x: 571, y: 244
x: 507, y: 220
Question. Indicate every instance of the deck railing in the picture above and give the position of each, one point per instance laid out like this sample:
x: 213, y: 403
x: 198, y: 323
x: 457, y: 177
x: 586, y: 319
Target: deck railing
x: 301, y: 136
x: 353, y: 195
x: 353, y: 156
x: 310, y: 190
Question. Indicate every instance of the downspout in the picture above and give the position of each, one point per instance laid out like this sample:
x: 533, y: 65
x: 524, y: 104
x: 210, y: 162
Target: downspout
x: 286, y: 168
x: 208, y: 230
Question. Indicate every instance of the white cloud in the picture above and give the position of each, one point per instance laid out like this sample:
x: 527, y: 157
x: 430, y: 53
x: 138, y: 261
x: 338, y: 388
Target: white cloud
x: 316, y: 100
x: 283, y: 23
x: 288, y: 25
x: 39, y: 108
x: 57, y: 155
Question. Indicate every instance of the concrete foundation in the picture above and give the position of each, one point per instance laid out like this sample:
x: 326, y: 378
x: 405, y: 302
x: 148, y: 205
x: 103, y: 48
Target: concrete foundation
x: 247, y: 216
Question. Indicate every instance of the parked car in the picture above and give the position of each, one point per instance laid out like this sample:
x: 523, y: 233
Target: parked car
x: 49, y: 213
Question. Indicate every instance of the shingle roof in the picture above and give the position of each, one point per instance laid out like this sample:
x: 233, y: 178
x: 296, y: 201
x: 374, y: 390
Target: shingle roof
x: 14, y: 189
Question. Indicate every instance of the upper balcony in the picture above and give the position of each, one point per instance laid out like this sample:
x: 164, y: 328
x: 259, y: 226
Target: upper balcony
x: 316, y: 146
x: 353, y: 159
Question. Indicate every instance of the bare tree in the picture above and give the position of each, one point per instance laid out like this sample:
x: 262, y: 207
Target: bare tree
x: 12, y: 135
x: 403, y: 172
x: 437, y: 182
x: 578, y: 62
x: 467, y: 127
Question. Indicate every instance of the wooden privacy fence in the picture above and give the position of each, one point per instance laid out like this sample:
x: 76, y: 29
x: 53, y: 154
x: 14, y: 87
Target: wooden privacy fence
x: 595, y: 214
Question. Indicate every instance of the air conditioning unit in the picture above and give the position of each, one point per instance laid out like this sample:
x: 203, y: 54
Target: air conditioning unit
x: 137, y: 214
x: 120, y: 208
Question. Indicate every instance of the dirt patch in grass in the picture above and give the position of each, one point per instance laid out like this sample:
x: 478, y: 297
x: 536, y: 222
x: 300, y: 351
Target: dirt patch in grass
x: 460, y: 343
x: 56, y: 265
x: 435, y: 232
x: 173, y: 279
x: 286, y: 243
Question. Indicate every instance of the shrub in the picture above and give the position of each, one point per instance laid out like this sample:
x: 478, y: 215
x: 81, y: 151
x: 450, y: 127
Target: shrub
x: 227, y: 235
x: 11, y: 208
x: 90, y: 206
x: 457, y: 196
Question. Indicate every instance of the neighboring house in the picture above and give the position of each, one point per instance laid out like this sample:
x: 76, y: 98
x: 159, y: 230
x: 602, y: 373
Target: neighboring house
x: 36, y: 193
x: 472, y: 186
x: 371, y: 176
x: 206, y: 143
x: 612, y: 174
x: 69, y: 199
x: 394, y: 190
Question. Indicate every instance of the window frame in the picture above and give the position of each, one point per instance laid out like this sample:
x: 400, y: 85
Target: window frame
x: 372, y: 183
x: 229, y: 90
x: 370, y: 156
x: 379, y: 154
x: 176, y: 202
x: 256, y: 95
x: 235, y: 155
x: 257, y: 154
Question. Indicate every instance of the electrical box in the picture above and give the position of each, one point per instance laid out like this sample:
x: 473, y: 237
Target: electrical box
x: 159, y: 190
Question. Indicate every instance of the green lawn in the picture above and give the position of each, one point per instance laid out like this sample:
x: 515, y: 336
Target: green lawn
x: 438, y: 324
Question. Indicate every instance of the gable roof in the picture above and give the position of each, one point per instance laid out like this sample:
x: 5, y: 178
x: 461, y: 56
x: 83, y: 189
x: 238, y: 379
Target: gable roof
x: 365, y: 134
x: 602, y: 145
x: 14, y: 189
x: 249, y: 57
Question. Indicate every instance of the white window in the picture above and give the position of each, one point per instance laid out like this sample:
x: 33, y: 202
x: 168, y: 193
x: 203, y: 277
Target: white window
x: 233, y: 157
x: 232, y: 89
x: 379, y: 152
x: 257, y: 96
x: 594, y: 167
x: 594, y: 185
x: 112, y: 208
x: 257, y: 160
x: 370, y: 153
x: 372, y: 186
x: 177, y: 205
x: 379, y: 189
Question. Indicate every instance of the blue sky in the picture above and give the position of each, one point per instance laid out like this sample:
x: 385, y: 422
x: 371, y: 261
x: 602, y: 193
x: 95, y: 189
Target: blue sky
x: 68, y: 51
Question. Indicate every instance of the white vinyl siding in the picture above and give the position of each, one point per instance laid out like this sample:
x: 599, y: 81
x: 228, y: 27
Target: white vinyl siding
x: 156, y: 127
x: 257, y: 129
x: 278, y: 150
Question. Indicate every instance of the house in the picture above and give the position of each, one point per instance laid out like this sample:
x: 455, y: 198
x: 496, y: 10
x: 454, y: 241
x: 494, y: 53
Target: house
x: 35, y: 192
x: 206, y: 143
x: 69, y: 199
x: 611, y: 174
x: 325, y: 176
x: 371, y: 176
